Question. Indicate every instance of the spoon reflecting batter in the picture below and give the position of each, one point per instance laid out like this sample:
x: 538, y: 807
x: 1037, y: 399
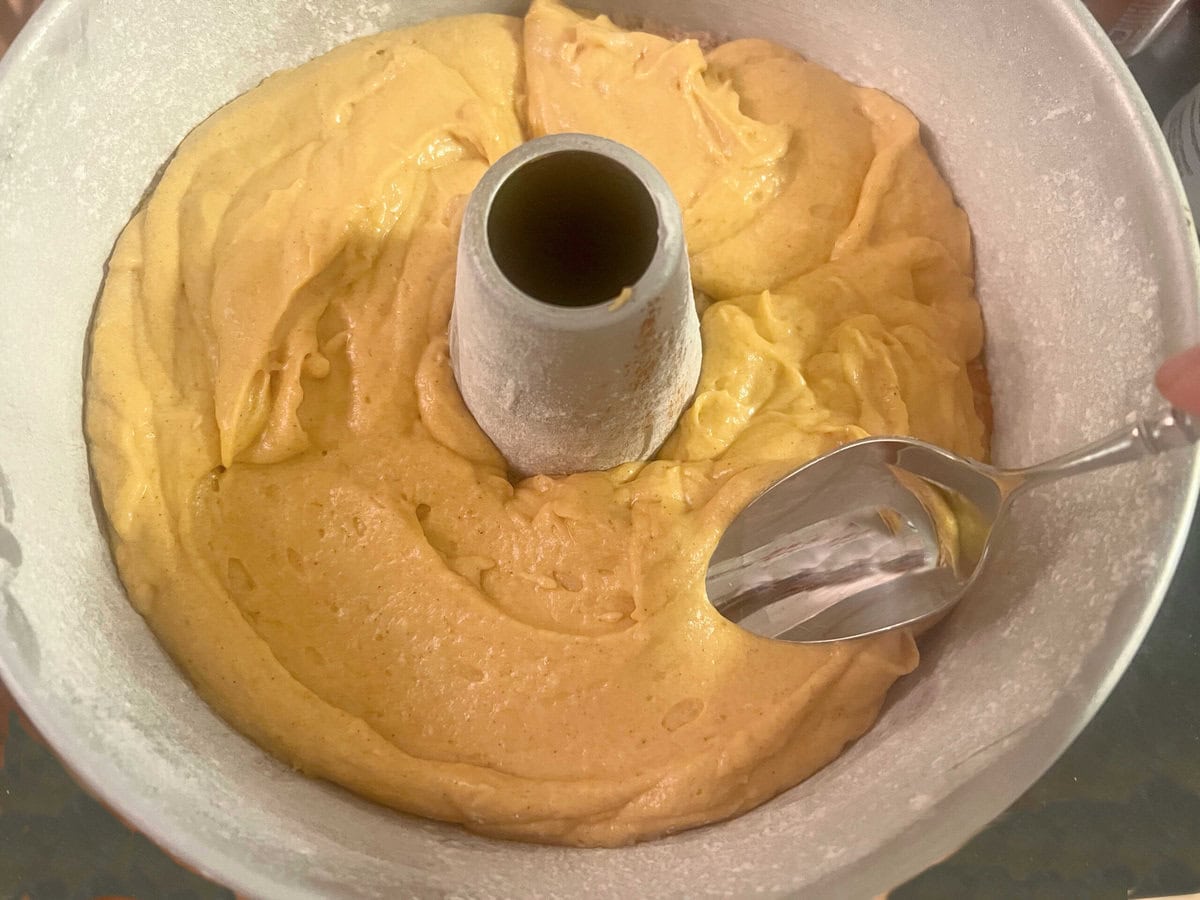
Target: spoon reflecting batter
x: 886, y: 533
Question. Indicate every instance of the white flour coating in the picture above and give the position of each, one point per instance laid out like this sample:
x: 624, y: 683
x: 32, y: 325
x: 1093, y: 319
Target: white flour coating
x: 574, y: 390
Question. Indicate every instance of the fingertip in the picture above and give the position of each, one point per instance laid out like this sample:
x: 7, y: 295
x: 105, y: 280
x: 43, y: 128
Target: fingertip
x: 1178, y: 380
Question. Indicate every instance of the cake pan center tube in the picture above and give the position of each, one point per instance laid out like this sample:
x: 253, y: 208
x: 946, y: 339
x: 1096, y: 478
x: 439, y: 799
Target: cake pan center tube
x: 574, y: 336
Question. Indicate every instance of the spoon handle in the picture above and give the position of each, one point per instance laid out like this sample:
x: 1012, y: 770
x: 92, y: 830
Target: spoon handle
x: 1146, y: 437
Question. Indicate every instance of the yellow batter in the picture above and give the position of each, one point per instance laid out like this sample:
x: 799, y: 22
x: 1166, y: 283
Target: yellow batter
x: 318, y: 532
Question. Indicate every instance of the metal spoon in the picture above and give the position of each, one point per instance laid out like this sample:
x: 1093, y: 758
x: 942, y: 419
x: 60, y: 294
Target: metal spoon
x: 886, y: 533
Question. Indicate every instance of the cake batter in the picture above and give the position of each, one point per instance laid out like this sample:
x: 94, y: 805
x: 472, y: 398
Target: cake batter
x: 318, y: 532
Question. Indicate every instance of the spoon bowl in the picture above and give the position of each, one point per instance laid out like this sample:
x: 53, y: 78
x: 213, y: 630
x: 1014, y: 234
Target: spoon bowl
x: 886, y: 532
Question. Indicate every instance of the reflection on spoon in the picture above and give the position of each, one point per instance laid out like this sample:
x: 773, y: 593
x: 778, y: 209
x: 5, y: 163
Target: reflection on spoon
x: 885, y: 533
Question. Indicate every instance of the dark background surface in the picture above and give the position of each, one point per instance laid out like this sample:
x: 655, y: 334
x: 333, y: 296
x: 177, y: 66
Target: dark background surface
x: 1117, y: 816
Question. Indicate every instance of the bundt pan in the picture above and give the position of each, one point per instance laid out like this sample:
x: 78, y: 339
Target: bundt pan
x: 1087, y: 274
